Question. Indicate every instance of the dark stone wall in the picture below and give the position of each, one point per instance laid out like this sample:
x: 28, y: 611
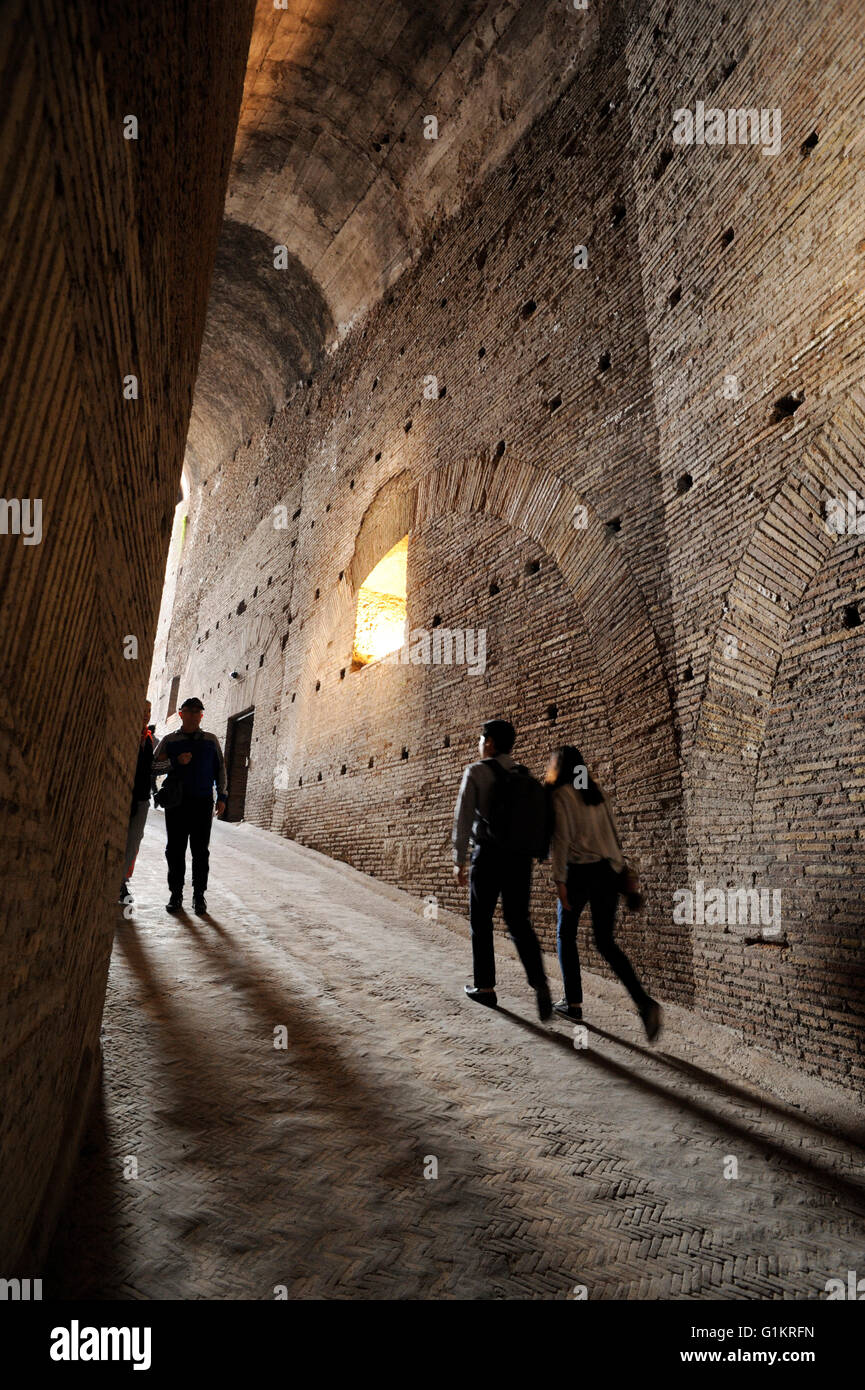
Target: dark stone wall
x: 107, y: 247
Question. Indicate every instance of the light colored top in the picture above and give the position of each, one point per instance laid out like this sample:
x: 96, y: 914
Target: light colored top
x: 582, y: 834
x: 473, y: 804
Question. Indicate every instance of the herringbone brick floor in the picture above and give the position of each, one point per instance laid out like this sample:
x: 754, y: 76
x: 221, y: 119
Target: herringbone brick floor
x: 261, y: 1169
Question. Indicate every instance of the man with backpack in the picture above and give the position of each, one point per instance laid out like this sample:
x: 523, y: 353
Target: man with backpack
x: 501, y: 812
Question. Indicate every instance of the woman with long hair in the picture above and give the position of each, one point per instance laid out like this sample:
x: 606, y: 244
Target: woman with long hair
x: 588, y: 865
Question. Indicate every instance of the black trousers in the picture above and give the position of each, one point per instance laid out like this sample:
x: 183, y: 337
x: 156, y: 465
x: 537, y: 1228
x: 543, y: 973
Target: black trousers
x: 495, y: 873
x: 191, y: 823
x: 597, y: 885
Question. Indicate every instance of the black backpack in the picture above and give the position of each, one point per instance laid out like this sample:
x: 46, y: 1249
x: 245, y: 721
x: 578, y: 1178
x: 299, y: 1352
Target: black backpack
x: 518, y: 819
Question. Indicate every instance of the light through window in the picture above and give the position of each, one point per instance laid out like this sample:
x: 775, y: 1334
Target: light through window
x: 381, y: 608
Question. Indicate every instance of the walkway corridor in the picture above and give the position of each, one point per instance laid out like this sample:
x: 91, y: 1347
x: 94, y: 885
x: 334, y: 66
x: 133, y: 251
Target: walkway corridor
x: 558, y: 1170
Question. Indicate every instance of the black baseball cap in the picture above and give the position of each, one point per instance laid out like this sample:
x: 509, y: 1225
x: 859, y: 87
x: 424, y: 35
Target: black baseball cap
x: 192, y: 703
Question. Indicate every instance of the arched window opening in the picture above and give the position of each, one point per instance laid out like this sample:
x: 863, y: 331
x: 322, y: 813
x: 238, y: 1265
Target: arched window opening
x: 381, y: 608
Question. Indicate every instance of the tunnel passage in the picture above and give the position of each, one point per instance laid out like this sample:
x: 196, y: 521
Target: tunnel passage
x: 534, y: 307
x: 372, y: 758
x: 465, y: 289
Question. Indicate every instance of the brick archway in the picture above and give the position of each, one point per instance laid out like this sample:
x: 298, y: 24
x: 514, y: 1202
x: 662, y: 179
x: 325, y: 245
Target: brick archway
x: 610, y: 601
x: 787, y: 549
x: 252, y: 639
x: 631, y: 673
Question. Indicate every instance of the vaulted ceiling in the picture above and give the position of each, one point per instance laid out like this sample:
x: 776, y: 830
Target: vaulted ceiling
x: 333, y: 161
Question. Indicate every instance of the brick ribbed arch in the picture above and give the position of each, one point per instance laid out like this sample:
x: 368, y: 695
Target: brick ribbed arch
x: 787, y: 549
x: 389, y: 517
x: 630, y: 667
x: 250, y: 640
x: 611, y: 604
x: 590, y: 559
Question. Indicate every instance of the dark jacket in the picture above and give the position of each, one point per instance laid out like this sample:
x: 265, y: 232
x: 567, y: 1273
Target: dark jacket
x: 206, y: 769
x: 143, y: 770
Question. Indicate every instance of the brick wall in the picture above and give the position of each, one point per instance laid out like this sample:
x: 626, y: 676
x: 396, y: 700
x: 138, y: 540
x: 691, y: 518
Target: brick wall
x: 108, y: 245
x: 609, y: 389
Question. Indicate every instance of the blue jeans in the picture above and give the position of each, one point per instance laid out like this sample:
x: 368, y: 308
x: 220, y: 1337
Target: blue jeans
x: 597, y: 885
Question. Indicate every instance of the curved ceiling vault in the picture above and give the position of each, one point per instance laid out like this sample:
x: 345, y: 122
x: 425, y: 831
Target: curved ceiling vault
x: 332, y: 162
x: 265, y: 330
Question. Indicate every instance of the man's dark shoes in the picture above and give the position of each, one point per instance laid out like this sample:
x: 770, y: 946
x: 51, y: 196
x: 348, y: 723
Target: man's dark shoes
x: 175, y: 903
x: 652, y: 1018
x: 574, y: 1011
x: 482, y: 996
x: 545, y: 1003
x: 199, y: 905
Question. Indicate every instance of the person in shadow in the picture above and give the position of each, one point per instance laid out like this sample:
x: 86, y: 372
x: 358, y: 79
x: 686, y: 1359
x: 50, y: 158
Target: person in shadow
x: 588, y: 866
x: 499, y: 815
x: 193, y: 757
x: 140, y: 805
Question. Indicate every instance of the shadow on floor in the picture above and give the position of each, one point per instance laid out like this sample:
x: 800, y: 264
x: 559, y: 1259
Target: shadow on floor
x: 280, y: 1139
x: 730, y: 1090
x: 345, y: 1088
x: 822, y: 1178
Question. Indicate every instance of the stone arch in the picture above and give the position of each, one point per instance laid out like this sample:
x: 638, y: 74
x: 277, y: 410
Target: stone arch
x: 630, y: 664
x: 613, y: 608
x: 389, y: 516
x: 255, y: 636
x: 788, y: 547
x: 544, y: 508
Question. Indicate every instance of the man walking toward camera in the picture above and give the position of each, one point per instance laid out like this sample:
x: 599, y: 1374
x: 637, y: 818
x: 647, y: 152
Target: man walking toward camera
x: 196, y: 765
x: 500, y: 811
